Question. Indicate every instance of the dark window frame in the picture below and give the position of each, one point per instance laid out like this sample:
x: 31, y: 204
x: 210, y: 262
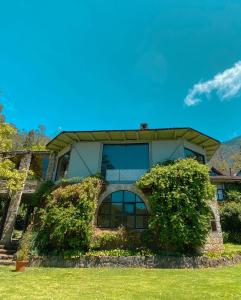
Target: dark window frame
x: 123, y: 214
x: 57, y: 175
x: 195, y: 156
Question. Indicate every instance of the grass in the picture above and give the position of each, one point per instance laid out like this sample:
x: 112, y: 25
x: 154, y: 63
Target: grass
x: 232, y: 248
x: 91, y: 284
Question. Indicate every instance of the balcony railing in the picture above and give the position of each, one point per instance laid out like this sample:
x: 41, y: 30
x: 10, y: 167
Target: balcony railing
x: 124, y: 175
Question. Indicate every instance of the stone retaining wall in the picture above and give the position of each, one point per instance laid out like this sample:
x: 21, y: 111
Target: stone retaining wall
x: 166, y: 262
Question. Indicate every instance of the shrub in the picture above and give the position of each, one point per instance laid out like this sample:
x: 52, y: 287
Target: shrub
x: 108, y: 240
x: 178, y: 195
x: 42, y: 193
x: 67, y: 220
x: 24, y: 246
x: 233, y: 192
x: 230, y: 216
x: 122, y: 238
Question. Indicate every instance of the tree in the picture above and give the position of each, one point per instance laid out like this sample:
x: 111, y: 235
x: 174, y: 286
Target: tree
x: 35, y: 139
x: 8, y: 172
x: 7, y: 132
x: 236, y: 159
x: 220, y: 163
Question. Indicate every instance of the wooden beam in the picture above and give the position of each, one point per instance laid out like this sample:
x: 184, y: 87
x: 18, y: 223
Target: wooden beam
x: 92, y: 137
x: 108, y: 134
x: 186, y: 133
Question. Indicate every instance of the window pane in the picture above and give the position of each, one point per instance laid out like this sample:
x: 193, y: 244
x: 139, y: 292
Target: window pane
x: 125, y: 156
x: 129, y: 208
x: 130, y: 221
x: 220, y: 194
x: 117, y: 196
x: 141, y: 209
x: 116, y: 221
x: 107, y: 199
x: 138, y: 199
x: 104, y: 221
x: 62, y: 167
x: 121, y: 208
x: 141, y: 222
x: 129, y: 197
x: 116, y: 208
x: 192, y: 154
x: 105, y: 208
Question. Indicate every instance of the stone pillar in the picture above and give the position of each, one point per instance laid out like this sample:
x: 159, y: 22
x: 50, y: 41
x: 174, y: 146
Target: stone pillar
x: 214, y: 241
x: 51, y: 166
x: 15, y: 200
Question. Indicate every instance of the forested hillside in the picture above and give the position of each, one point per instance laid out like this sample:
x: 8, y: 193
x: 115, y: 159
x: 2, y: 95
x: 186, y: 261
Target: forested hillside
x: 34, y: 139
x: 228, y: 156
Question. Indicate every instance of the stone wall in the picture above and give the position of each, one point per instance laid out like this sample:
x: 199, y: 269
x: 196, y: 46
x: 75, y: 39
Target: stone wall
x: 163, y: 262
x: 214, y: 241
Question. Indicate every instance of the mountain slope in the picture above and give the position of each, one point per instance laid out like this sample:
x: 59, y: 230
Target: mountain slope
x: 228, y: 156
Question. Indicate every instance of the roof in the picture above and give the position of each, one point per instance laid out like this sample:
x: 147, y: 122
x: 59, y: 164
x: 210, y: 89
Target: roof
x: 66, y: 138
x: 224, y: 178
x: 216, y: 172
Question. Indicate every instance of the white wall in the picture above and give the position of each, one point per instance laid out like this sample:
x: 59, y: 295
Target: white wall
x: 84, y: 159
x: 171, y: 150
x: 166, y: 150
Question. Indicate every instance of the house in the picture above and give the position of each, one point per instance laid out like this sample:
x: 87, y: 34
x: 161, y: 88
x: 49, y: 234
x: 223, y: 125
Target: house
x: 122, y: 157
x: 223, y: 181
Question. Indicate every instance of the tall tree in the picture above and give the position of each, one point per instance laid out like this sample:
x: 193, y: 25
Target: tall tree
x: 7, y: 133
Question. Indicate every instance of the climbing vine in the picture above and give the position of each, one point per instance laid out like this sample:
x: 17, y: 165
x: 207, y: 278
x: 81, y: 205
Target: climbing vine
x: 178, y: 195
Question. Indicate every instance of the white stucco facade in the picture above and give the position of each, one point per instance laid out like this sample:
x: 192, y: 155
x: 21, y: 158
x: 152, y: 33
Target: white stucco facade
x: 86, y: 157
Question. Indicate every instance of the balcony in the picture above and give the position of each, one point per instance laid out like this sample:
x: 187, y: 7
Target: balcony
x: 124, y: 175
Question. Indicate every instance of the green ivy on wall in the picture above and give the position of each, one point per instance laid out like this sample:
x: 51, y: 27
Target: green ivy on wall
x: 178, y: 194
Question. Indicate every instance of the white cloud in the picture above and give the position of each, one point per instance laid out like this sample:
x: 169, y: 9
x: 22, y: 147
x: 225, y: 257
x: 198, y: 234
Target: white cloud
x: 226, y: 85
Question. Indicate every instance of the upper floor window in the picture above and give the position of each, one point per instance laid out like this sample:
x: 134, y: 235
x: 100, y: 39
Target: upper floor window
x: 124, y: 162
x: 195, y: 155
x: 62, y: 166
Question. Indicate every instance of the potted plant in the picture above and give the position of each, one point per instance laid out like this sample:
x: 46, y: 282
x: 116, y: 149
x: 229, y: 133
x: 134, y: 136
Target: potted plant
x: 22, y: 255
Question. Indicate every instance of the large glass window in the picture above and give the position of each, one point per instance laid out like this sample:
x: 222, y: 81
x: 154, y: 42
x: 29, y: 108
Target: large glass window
x: 122, y: 208
x: 125, y: 162
x: 62, y: 166
x: 192, y: 154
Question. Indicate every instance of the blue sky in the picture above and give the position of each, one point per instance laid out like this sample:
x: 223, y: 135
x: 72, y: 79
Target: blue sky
x: 80, y: 65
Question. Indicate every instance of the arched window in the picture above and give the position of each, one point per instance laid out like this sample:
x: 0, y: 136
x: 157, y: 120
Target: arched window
x: 122, y: 208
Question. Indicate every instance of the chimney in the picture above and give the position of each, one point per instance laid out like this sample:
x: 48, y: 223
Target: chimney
x: 143, y: 126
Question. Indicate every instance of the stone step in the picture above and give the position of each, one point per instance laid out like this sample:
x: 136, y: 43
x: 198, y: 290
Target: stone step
x: 7, y: 251
x: 7, y: 262
x: 6, y: 256
x: 10, y: 247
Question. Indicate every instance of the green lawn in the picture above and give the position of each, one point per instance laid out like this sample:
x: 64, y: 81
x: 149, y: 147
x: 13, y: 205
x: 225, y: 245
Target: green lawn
x: 40, y: 283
